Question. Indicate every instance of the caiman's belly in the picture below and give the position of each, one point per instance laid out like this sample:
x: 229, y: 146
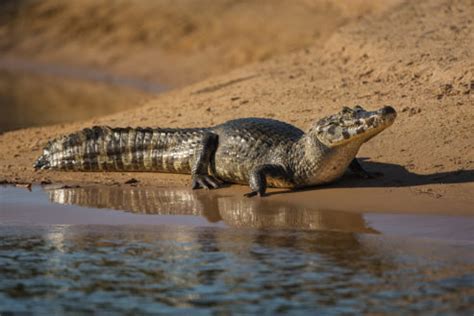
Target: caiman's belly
x: 240, y: 175
x: 231, y: 167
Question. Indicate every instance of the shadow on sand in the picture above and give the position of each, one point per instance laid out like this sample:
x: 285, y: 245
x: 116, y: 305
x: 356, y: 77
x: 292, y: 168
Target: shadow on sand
x: 392, y: 175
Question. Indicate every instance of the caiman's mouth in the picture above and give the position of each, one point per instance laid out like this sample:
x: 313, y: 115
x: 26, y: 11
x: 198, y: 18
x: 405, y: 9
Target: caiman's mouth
x: 355, y: 124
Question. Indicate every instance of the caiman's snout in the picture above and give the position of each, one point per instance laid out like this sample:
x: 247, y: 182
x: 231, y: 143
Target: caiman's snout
x: 388, y: 110
x: 388, y: 114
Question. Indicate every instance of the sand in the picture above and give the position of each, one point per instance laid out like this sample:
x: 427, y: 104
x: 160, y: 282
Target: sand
x: 170, y: 41
x: 416, y: 56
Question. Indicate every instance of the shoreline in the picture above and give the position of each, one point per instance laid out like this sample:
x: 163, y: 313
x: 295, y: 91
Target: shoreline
x: 90, y: 75
x: 347, y: 195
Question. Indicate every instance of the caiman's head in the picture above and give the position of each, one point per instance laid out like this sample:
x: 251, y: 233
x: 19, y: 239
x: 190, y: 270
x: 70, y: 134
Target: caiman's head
x: 353, y: 125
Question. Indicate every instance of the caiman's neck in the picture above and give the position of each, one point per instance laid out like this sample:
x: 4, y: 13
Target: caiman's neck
x: 307, y: 154
x: 320, y: 163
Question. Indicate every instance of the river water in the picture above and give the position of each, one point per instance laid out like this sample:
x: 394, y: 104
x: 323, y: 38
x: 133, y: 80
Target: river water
x: 173, y: 250
x: 36, y: 95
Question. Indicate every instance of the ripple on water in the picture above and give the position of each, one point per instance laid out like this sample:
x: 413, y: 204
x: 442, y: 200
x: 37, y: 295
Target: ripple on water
x: 190, y: 269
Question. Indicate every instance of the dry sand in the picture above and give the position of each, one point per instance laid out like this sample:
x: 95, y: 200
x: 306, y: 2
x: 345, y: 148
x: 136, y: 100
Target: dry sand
x: 417, y: 56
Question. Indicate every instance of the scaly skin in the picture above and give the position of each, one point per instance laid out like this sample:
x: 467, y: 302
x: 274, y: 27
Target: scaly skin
x: 255, y: 151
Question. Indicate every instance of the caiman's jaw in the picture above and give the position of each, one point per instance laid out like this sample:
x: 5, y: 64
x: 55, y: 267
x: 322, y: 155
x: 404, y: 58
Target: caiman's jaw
x: 353, y: 125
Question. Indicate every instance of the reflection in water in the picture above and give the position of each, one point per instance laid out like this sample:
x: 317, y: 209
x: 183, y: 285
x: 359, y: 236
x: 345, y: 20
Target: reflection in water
x: 235, y: 211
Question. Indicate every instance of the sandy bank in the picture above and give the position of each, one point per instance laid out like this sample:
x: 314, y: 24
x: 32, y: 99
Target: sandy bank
x: 416, y: 57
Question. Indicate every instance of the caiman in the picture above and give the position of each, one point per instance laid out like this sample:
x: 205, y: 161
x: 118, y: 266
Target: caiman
x: 259, y: 152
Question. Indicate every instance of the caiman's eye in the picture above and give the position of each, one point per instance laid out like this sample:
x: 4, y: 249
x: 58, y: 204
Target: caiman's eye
x: 346, y: 109
x: 358, y: 108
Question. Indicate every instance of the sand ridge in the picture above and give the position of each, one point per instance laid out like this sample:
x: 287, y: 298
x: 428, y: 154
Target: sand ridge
x: 416, y: 57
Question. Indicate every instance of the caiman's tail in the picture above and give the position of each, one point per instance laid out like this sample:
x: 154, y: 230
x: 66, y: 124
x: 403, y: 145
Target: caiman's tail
x: 103, y: 148
x: 42, y: 162
x: 82, y: 150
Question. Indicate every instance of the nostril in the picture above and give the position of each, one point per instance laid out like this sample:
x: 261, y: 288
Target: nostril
x: 388, y: 110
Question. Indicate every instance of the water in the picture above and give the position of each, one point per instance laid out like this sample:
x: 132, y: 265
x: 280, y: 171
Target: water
x: 133, y: 250
x: 36, y: 97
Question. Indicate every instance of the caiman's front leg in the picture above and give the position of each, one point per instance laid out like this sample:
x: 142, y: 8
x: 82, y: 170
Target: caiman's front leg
x: 357, y: 169
x: 258, y: 178
x: 200, y: 169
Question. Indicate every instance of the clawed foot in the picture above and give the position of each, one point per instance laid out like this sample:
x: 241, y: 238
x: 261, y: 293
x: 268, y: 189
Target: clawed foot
x: 357, y: 169
x: 254, y: 193
x: 205, y: 181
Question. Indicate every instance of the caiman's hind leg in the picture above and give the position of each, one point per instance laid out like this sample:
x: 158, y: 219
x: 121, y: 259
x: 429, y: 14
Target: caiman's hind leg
x: 200, y: 169
x: 258, y: 178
